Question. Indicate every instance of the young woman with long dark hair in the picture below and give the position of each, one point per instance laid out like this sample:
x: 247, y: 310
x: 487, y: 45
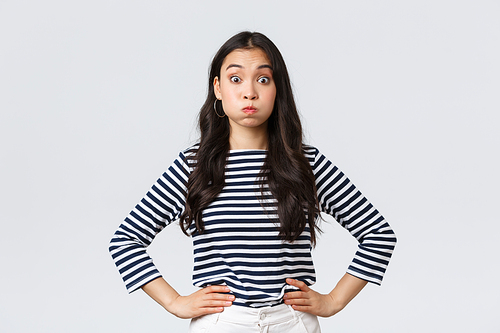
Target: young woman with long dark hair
x: 250, y: 194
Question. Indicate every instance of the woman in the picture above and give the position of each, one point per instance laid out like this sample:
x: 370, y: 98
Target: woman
x: 249, y: 194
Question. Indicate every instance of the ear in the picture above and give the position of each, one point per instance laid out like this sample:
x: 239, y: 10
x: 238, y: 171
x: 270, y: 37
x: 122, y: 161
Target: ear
x: 217, y: 93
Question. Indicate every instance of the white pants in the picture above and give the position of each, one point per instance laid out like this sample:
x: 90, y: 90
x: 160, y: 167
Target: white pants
x: 239, y: 319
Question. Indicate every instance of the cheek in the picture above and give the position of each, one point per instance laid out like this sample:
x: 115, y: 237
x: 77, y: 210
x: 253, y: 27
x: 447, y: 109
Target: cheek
x: 271, y: 97
x: 272, y: 93
x: 229, y: 94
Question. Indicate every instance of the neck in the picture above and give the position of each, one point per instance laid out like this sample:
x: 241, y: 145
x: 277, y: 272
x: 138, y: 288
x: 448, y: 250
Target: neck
x: 248, y: 138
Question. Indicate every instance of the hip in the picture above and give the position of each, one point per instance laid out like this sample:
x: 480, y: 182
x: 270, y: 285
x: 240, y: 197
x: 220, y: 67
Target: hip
x: 280, y: 318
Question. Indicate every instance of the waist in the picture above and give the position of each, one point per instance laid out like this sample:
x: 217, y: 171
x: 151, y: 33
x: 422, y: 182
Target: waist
x: 258, y: 295
x: 252, y: 316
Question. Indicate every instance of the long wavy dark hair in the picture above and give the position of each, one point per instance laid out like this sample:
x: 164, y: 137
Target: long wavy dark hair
x: 286, y: 170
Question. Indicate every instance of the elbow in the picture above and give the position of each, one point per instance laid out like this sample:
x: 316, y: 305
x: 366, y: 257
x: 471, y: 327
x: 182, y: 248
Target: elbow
x: 112, y: 246
x: 394, y: 239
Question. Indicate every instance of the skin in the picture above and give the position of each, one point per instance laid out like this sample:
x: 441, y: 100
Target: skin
x: 204, y: 301
x: 246, y: 80
x: 324, y: 305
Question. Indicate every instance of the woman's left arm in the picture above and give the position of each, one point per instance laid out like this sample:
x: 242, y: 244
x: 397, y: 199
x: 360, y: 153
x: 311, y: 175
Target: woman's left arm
x: 338, y: 197
x: 324, y: 305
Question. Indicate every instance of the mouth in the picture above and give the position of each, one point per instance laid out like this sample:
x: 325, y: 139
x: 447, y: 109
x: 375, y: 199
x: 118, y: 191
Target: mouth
x: 249, y: 110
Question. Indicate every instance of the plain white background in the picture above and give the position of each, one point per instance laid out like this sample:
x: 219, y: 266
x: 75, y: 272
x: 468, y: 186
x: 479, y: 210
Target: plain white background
x: 98, y: 97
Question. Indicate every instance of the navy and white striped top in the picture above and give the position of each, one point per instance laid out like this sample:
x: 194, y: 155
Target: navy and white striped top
x: 240, y: 247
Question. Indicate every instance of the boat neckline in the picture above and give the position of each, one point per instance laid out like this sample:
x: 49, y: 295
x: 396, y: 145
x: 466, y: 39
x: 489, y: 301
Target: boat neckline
x: 245, y: 149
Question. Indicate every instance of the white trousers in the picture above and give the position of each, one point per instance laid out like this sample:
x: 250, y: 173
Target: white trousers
x: 238, y: 319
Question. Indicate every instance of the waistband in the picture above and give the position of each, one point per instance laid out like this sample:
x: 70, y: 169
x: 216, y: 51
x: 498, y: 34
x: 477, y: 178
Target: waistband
x: 245, y: 315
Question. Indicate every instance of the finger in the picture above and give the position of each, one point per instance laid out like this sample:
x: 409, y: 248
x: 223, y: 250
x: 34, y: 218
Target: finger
x: 209, y: 310
x: 301, y: 285
x: 302, y: 308
x: 221, y: 297
x: 216, y: 289
x: 297, y: 301
x: 216, y: 303
x: 296, y: 294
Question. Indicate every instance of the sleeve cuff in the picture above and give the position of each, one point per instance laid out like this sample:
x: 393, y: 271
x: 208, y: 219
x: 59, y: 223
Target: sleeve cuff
x: 134, y: 285
x: 363, y: 275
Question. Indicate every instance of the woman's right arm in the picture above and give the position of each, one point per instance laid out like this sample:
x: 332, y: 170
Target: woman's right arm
x: 163, y: 204
x: 204, y: 301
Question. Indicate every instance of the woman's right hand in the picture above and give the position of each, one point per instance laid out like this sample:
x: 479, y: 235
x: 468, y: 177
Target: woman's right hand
x: 204, y: 301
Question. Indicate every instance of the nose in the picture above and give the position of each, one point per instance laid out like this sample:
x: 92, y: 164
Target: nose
x: 250, y: 93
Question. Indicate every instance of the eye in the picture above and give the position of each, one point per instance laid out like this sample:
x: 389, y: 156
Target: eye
x: 263, y: 80
x: 235, y: 79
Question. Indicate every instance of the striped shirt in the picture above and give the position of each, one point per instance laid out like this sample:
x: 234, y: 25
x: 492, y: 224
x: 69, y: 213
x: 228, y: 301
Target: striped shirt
x: 240, y: 247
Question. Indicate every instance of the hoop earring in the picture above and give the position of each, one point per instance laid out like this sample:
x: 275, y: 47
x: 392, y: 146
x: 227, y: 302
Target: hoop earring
x: 215, y: 109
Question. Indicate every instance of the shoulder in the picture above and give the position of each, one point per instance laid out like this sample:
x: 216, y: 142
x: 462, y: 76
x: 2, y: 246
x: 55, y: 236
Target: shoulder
x: 317, y: 160
x: 190, y: 152
x: 311, y: 153
x: 187, y: 158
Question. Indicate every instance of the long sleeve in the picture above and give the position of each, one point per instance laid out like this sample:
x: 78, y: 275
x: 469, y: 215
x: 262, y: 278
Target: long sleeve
x: 338, y: 197
x: 161, y: 205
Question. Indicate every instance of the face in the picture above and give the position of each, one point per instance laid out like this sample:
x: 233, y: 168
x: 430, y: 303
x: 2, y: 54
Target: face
x: 246, y: 88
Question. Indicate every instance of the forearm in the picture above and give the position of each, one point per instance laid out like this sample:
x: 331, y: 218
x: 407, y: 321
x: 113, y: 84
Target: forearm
x: 346, y: 289
x: 161, y: 292
x: 204, y: 301
x: 324, y: 305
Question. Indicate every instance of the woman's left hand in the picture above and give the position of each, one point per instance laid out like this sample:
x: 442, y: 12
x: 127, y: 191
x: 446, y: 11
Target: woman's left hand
x: 308, y: 300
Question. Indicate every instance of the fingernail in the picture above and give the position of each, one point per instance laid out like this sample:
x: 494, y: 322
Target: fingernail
x: 286, y: 296
x: 229, y: 303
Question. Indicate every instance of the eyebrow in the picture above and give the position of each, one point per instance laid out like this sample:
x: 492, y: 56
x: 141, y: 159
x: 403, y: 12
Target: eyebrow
x: 239, y: 66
